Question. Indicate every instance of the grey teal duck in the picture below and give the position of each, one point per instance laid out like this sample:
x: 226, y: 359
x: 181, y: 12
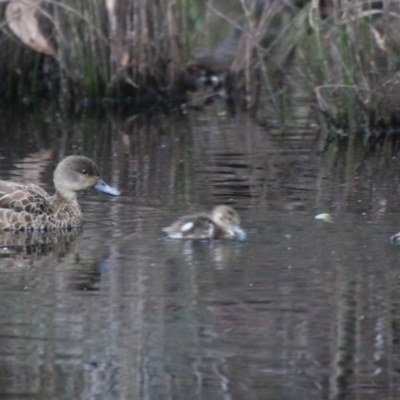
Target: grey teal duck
x: 27, y: 207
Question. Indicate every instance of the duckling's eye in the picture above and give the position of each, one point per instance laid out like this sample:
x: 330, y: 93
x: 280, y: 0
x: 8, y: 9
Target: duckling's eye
x: 84, y: 171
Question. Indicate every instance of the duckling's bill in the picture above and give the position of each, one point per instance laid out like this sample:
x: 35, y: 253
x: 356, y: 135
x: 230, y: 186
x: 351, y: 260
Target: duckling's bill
x: 240, y: 234
x: 101, y: 186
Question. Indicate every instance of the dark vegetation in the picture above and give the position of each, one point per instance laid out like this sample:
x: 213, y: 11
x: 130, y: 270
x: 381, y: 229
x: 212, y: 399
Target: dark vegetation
x: 341, y: 54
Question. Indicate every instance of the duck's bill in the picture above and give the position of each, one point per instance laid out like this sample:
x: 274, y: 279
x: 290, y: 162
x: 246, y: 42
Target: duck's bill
x: 240, y: 234
x: 101, y: 186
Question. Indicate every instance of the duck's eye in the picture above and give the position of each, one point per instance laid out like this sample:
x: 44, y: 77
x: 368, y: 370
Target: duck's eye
x: 84, y: 171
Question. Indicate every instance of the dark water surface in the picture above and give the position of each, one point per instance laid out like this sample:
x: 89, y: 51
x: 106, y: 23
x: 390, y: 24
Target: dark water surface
x: 303, y: 309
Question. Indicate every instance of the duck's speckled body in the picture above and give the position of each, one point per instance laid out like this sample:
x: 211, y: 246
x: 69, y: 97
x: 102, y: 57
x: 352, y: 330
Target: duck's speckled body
x: 222, y: 223
x: 28, y: 207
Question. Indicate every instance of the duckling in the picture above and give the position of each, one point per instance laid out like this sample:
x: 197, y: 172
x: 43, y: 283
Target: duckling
x: 224, y: 222
x: 27, y: 207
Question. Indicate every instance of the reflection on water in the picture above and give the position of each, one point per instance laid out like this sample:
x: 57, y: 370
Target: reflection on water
x: 12, y: 243
x: 301, y: 309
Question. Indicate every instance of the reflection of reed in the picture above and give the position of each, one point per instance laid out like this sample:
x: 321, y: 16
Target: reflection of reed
x: 357, y: 177
x: 31, y: 167
x: 155, y: 164
x: 198, y: 162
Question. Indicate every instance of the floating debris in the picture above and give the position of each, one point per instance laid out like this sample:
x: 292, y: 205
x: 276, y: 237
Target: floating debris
x: 324, y: 217
x: 395, y: 238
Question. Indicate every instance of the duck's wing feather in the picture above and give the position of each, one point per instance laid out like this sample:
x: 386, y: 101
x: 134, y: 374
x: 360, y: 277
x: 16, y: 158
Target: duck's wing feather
x: 23, y: 198
x: 12, y: 220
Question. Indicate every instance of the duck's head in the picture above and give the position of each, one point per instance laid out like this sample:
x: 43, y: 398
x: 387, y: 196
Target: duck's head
x: 76, y: 173
x: 227, y: 217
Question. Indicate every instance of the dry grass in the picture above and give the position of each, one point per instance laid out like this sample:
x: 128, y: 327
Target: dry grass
x: 348, y: 60
x: 98, y: 47
x: 124, y: 49
x: 137, y: 51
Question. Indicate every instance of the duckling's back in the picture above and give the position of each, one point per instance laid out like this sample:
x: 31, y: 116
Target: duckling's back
x: 197, y: 226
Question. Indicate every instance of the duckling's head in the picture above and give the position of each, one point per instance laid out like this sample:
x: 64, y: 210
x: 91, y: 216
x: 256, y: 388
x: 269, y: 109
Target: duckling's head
x: 76, y: 173
x: 227, y: 217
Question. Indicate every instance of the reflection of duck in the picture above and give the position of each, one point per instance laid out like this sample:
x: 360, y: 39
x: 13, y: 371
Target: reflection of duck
x: 224, y: 222
x: 32, y: 243
x: 29, y: 207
